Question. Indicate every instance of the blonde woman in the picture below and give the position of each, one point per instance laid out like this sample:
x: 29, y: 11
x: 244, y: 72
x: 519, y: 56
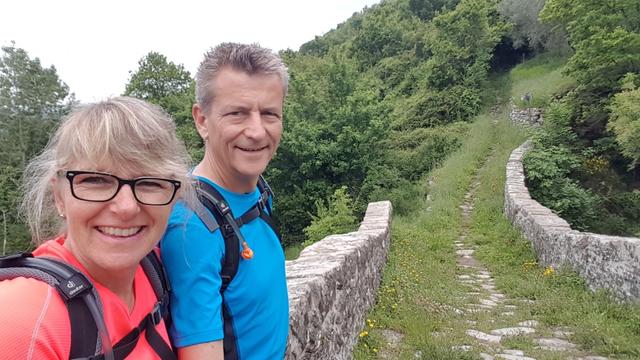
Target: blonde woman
x: 101, y: 192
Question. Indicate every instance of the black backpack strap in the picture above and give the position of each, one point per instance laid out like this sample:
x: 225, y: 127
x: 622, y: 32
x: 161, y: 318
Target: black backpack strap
x: 265, y: 194
x: 229, y: 343
x: 160, y: 282
x: 211, y: 198
x: 75, y: 289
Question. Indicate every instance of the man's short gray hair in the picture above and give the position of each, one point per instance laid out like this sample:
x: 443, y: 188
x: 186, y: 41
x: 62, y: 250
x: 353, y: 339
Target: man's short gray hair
x: 251, y: 59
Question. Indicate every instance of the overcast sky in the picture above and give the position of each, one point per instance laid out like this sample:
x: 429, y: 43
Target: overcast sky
x: 94, y: 45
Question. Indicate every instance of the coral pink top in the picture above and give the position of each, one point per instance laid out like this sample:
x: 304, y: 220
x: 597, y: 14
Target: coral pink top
x: 34, y: 321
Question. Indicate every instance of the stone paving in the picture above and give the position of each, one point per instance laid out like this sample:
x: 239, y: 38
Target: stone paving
x: 482, y: 298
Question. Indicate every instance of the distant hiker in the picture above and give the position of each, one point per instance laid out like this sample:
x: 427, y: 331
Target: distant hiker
x: 526, y: 98
x: 226, y: 265
x: 104, y: 187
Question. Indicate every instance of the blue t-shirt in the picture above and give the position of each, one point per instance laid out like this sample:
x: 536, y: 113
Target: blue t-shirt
x: 256, y: 298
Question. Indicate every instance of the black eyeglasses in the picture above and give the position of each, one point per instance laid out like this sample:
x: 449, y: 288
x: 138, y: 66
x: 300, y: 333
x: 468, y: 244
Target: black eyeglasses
x: 100, y: 187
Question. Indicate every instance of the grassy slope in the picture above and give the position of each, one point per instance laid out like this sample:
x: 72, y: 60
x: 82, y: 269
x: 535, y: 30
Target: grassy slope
x: 419, y: 284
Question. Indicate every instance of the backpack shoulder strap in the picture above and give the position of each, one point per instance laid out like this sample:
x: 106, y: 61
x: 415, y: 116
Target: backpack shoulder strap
x: 266, y: 194
x: 266, y: 197
x: 83, y: 304
x: 156, y: 274
x: 212, y: 200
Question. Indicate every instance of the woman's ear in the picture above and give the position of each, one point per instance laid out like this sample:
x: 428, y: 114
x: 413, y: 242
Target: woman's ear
x: 57, y: 196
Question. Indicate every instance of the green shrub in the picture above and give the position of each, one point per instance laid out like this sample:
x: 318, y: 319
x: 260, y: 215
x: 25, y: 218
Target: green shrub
x: 334, y: 218
x: 547, y: 171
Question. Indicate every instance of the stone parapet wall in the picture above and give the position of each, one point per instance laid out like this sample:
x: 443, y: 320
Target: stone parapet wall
x: 332, y: 286
x: 603, y: 261
x: 528, y: 116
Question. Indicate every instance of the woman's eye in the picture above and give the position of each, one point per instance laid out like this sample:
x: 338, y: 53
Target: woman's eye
x: 94, y: 180
x: 150, y: 184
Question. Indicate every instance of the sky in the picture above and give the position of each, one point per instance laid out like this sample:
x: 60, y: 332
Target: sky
x: 95, y: 45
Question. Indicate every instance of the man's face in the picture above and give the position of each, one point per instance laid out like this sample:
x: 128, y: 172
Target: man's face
x: 243, y: 125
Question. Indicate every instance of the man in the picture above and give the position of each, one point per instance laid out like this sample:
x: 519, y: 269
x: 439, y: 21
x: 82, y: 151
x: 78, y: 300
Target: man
x: 240, y: 90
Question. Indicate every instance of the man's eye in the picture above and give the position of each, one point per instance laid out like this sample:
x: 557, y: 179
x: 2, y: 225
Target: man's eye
x: 272, y: 115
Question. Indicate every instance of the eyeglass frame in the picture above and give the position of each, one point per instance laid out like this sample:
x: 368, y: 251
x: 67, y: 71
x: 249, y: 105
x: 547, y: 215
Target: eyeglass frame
x: 70, y: 174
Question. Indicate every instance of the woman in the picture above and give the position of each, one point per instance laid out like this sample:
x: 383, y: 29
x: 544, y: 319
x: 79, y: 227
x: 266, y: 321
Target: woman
x: 107, y: 182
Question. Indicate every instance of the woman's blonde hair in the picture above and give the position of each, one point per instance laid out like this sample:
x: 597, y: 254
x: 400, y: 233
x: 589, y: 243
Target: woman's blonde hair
x: 123, y: 134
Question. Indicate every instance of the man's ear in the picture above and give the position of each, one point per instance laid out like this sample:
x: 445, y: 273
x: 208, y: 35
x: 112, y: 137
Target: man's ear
x: 200, y: 121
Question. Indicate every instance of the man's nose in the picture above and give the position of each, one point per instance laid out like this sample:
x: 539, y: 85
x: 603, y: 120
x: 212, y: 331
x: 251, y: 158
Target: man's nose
x: 255, y: 126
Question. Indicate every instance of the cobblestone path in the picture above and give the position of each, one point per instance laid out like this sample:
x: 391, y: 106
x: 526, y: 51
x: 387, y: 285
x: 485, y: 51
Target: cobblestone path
x: 488, y: 308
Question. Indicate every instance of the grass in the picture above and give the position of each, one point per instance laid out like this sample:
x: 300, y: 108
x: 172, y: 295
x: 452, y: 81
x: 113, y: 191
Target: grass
x: 419, y: 286
x: 542, y: 78
x: 420, y: 292
x: 292, y: 252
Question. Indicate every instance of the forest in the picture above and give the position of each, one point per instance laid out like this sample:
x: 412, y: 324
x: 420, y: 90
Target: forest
x: 383, y: 98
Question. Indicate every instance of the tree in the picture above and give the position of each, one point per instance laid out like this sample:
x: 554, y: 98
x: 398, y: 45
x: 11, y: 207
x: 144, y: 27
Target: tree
x: 528, y: 31
x: 334, y: 123
x: 428, y: 9
x: 461, y: 43
x: 32, y: 101
x: 170, y: 86
x: 605, y: 36
x: 625, y: 119
x: 157, y: 78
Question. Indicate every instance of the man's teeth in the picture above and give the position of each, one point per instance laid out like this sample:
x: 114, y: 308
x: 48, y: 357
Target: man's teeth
x: 247, y: 149
x: 119, y: 231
